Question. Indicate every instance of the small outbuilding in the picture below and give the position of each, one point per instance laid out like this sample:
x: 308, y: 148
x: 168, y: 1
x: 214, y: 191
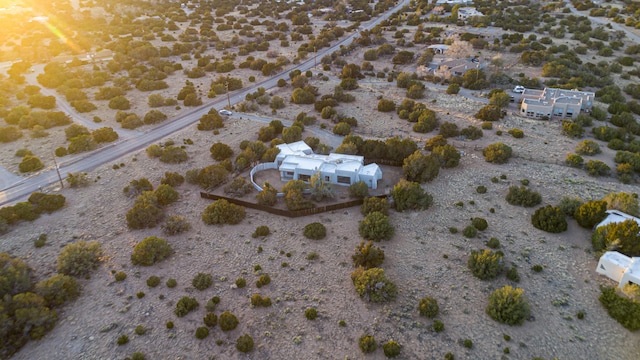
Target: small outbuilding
x: 620, y: 268
x: 616, y: 216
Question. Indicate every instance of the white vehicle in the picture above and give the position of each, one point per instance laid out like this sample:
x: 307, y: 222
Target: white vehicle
x: 518, y: 89
x: 225, y: 112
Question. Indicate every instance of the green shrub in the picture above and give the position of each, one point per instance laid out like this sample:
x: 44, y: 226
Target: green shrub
x: 202, y: 332
x: 438, y: 326
x: 428, y: 307
x: 244, y: 343
x: 497, y: 153
x: 120, y: 276
x: 597, y: 168
x: 376, y: 226
x: 175, y: 225
x: 359, y: 190
x: 140, y: 330
x: 367, y: 255
x: 57, y: 289
x: 264, y: 279
x: 202, y: 281
x: 153, y: 281
x: 367, y: 344
x: 622, y: 236
x: 449, y: 356
x: 185, y: 305
x: 470, y: 231
x: 481, y: 189
x: 391, y: 349
x: 624, y: 310
x: 467, y: 343
x: 479, y: 223
x: 38, y: 243
x: 311, y: 313
x: 137, y: 356
x: 140, y: 294
x: 512, y: 274
x: 223, y: 212
x: 373, y: 286
x: 150, y: 250
x: 569, y: 205
x: 493, y: 243
x: 574, y: 160
x: 590, y: 213
x: 371, y: 204
x: 210, y: 319
x: 123, y: 339
x: 508, y: 305
x: 79, y: 259
x: 171, y: 283
x: 410, y: 196
x: 537, y: 268
x: 485, y: 264
x: 315, y: 231
x: 588, y: 147
x: 624, y: 202
x: 169, y: 325
x: 523, y: 196
x: 212, y: 304
x: 172, y: 179
x: 46, y: 202
x: 550, y: 219
x: 227, y: 321
x: 30, y: 163
x: 258, y: 300
x: 262, y: 230
x: 241, y: 282
x: 516, y: 133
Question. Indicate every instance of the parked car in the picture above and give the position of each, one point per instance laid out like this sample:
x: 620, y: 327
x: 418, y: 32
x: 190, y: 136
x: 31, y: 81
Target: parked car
x: 225, y: 112
x: 518, y: 89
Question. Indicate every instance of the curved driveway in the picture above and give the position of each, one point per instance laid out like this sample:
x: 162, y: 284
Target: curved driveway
x: 129, y: 143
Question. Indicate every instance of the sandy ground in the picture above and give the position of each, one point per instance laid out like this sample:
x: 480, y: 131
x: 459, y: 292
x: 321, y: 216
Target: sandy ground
x: 415, y: 256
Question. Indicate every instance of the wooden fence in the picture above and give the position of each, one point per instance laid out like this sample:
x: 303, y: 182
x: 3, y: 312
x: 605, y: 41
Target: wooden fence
x: 287, y: 213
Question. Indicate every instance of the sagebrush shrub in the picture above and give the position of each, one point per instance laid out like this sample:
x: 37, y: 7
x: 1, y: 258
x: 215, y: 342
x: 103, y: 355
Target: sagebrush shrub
x: 175, y: 225
x: 550, y: 219
x: 376, y: 226
x: 508, y: 305
x: 212, y: 304
x: 202, y: 281
x: 438, y: 326
x: 262, y: 230
x: 311, y: 313
x: 470, y: 231
x: 512, y: 274
x: 57, y: 289
x: 264, y: 279
x: 202, y: 332
x: 150, y: 250
x: 367, y: 343
x: 153, y: 281
x: 241, y: 282
x: 315, y: 231
x: 373, y: 286
x: 244, y: 343
x: 227, y: 321
x: 210, y: 319
x: 485, y: 264
x: 428, y: 307
x: 78, y: 259
x: 367, y: 255
x: 120, y: 276
x: 171, y: 283
x: 185, y: 305
x: 391, y: 349
x: 371, y: 204
x: 258, y: 300
x: 493, y: 243
x: 523, y: 196
x: 479, y: 223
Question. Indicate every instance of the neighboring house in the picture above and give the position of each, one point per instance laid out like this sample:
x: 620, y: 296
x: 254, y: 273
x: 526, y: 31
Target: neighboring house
x: 620, y: 268
x: 455, y: 67
x: 555, y: 102
x: 615, y: 265
x: 616, y: 216
x: 467, y: 12
x: 296, y: 161
x: 439, y: 48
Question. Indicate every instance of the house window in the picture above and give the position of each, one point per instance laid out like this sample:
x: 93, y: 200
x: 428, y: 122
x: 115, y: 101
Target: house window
x: 344, y: 180
x: 327, y: 179
x: 304, y: 177
x: 289, y: 173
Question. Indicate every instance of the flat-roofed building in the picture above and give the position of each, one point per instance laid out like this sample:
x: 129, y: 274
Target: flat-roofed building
x: 552, y: 102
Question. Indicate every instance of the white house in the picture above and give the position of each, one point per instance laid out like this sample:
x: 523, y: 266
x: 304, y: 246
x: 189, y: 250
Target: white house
x: 296, y: 161
x: 555, y: 102
x: 620, y: 268
x: 613, y: 264
x: 467, y: 12
x: 616, y: 216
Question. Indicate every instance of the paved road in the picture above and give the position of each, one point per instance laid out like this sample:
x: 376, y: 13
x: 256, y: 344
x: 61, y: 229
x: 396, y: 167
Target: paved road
x: 89, y: 161
x: 604, y: 21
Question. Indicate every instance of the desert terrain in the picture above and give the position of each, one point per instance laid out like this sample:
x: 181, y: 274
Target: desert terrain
x: 423, y: 258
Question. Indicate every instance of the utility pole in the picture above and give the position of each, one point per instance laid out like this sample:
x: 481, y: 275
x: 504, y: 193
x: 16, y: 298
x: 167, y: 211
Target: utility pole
x: 315, y: 64
x: 228, y: 96
x: 58, y: 171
